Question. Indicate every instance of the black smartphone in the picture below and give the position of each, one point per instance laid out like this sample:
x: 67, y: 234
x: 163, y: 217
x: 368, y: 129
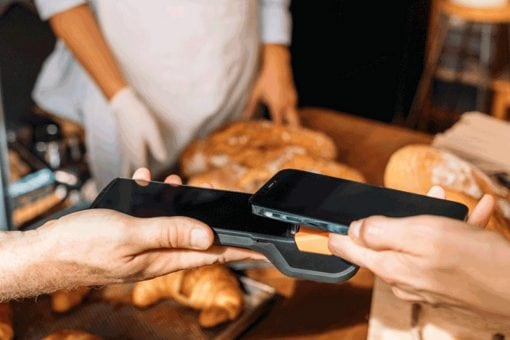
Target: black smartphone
x: 232, y: 221
x: 331, y: 204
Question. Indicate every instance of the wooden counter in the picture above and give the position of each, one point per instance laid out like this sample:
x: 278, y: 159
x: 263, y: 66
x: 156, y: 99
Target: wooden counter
x: 310, y: 310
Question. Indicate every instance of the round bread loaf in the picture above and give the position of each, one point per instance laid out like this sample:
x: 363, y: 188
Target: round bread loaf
x: 225, y: 178
x: 249, y: 143
x: 240, y: 178
x: 416, y: 168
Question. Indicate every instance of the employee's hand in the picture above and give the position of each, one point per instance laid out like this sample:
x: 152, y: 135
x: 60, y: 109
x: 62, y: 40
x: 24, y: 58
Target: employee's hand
x: 275, y: 87
x: 138, y: 130
x: 434, y: 259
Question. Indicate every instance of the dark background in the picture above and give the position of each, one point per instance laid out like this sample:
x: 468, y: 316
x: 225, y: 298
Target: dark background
x: 353, y: 56
x: 361, y: 57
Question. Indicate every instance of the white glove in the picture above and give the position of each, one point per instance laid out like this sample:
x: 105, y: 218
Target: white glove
x: 137, y: 128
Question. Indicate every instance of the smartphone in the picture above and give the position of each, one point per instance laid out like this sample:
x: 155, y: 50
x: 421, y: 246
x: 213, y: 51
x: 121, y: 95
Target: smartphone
x: 232, y: 221
x: 331, y: 204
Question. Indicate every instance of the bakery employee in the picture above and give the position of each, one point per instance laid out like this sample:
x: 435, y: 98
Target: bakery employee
x: 144, y: 77
x: 99, y: 247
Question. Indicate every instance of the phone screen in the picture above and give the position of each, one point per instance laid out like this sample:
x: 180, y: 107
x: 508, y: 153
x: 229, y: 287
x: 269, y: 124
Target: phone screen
x: 217, y: 208
x: 341, y: 201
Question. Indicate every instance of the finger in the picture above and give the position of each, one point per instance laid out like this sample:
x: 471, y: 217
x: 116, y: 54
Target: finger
x: 142, y: 174
x: 156, y: 145
x: 173, y: 179
x: 405, y: 295
x: 437, y: 192
x: 251, y: 105
x: 169, y: 232
x: 482, y: 213
x: 385, y: 264
x: 164, y: 261
x: 276, y: 111
x: 292, y: 116
x: 412, y: 235
x: 344, y: 247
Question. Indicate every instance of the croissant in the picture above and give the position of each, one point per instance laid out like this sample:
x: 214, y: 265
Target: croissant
x: 213, y: 290
x: 6, y: 331
x: 64, y: 300
x: 416, y: 168
x: 71, y: 334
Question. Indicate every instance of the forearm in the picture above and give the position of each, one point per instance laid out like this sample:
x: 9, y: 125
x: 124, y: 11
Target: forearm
x: 78, y: 29
x: 275, y: 52
x: 28, y: 267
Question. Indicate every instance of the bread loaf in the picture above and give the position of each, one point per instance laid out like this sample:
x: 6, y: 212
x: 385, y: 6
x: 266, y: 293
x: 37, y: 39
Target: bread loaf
x: 250, y: 179
x: 257, y: 140
x: 416, y: 168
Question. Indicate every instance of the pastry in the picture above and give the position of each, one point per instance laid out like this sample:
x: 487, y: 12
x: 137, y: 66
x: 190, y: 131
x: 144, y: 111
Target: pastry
x: 6, y: 331
x: 247, y: 143
x: 416, y: 168
x: 71, y: 334
x: 213, y: 290
x: 64, y: 300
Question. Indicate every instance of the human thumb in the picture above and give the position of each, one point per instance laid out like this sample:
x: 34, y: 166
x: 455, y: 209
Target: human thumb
x: 171, y: 232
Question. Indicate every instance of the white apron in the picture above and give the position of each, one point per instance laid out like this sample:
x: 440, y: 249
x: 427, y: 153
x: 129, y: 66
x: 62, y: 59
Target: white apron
x: 191, y: 61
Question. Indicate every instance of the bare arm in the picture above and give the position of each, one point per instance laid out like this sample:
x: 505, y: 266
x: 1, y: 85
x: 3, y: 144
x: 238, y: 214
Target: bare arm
x: 78, y: 29
x: 99, y: 247
x: 26, y: 269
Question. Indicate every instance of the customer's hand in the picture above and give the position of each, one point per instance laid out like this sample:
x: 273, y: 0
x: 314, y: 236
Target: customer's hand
x: 434, y: 259
x: 103, y: 246
x: 138, y: 130
x: 275, y: 87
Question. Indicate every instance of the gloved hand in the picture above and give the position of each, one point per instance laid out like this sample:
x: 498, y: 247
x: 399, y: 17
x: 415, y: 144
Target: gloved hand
x: 138, y: 130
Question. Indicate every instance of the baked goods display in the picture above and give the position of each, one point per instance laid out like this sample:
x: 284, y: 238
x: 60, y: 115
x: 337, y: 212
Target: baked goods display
x: 71, y: 334
x: 64, y: 300
x: 6, y: 331
x: 213, y: 290
x: 244, y: 155
x: 416, y: 168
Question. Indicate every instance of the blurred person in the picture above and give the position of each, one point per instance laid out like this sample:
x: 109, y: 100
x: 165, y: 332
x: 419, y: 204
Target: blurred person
x: 146, y: 77
x: 100, y: 247
x: 436, y: 260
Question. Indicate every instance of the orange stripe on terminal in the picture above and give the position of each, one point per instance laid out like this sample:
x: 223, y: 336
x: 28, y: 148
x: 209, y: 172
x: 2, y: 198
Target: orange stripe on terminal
x: 311, y: 240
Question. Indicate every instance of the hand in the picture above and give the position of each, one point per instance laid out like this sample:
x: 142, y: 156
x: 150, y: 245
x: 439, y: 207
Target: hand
x: 103, y: 246
x: 138, y: 130
x: 434, y: 259
x: 275, y: 87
